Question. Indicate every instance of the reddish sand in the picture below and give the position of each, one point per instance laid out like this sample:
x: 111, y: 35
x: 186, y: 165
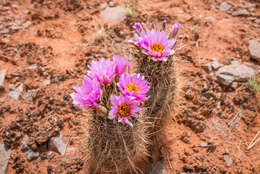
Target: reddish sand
x: 64, y: 36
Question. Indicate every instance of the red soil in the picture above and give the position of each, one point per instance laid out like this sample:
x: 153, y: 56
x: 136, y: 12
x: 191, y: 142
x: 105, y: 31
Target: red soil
x: 65, y: 35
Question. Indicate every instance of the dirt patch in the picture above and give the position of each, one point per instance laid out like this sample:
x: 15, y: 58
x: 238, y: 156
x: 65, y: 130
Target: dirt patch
x: 46, y: 47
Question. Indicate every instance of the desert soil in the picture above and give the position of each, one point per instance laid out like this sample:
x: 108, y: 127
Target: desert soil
x: 45, y: 47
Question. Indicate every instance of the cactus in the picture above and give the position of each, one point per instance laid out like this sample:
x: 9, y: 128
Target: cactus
x: 115, y: 148
x: 160, y: 74
x: 155, y: 61
x: 115, y: 136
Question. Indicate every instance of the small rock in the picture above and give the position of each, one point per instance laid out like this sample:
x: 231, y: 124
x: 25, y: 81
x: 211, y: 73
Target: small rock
x: 4, y: 31
x: 27, y: 24
x: 158, y: 168
x: 31, y: 155
x: 225, y: 79
x: 210, y: 18
x: 241, y: 12
x: 50, y: 155
x: 2, y: 9
x: 26, y: 11
x: 103, y: 6
x: 112, y: 4
x: 228, y: 160
x: 212, y: 65
x: 234, y: 85
x: 185, y: 137
x: 234, y: 72
x: 15, y: 27
x: 15, y: 6
x: 254, y: 49
x: 203, y: 144
x: 11, y: 87
x: 30, y: 95
x: 226, y: 151
x: 56, y: 144
x: 2, y: 78
x: 225, y: 6
x: 250, y: 7
x: 257, y: 21
x: 115, y: 14
x: 33, y: 66
x: 46, y: 82
x: 16, y: 93
x: 4, y: 157
x: 216, y: 65
x: 207, y: 67
x: 235, y: 62
x: 28, y: 152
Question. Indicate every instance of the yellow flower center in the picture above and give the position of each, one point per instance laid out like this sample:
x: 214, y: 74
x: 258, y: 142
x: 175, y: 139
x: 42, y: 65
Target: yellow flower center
x: 133, y: 87
x: 156, y: 47
x: 124, y: 110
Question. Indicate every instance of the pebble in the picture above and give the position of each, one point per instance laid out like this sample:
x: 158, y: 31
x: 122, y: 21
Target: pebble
x: 2, y: 9
x: 2, y: 78
x: 212, y: 65
x: 4, y: 31
x: 112, y: 4
x: 31, y: 155
x: 225, y: 6
x: 257, y: 21
x: 29, y: 96
x: 226, y: 151
x: 11, y: 87
x: 4, y: 157
x: 115, y: 14
x: 207, y: 67
x: 241, y: 12
x: 228, y: 160
x: 27, y: 24
x: 234, y: 72
x: 15, y: 27
x: 28, y: 152
x: 26, y: 11
x: 56, y: 144
x: 103, y: 6
x: 203, y: 144
x: 210, y: 18
x: 216, y: 65
x: 225, y: 79
x: 46, y: 82
x: 50, y: 155
x: 16, y: 93
x: 33, y: 66
x: 234, y: 85
x: 254, y: 49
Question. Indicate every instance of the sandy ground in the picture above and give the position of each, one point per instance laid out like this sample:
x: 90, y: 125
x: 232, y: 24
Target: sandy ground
x: 46, y: 46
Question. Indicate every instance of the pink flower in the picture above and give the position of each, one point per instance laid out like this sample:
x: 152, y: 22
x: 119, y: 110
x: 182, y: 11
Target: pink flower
x: 121, y: 64
x: 134, y: 85
x: 103, y: 70
x: 123, y: 108
x: 88, y: 94
x: 175, y: 29
x: 156, y: 43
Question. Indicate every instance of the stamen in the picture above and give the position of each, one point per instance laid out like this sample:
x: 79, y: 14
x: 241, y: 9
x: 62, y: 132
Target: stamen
x: 133, y: 87
x: 124, y: 110
x: 156, y: 47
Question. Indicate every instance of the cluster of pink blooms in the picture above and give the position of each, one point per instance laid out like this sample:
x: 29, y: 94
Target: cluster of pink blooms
x: 133, y: 89
x: 156, y: 43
